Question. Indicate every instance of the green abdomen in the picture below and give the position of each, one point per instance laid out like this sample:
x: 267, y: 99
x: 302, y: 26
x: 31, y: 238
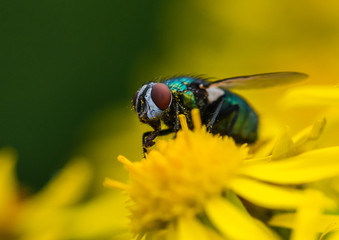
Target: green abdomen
x: 246, y: 123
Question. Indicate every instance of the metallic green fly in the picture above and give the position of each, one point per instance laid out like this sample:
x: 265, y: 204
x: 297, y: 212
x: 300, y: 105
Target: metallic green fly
x: 222, y: 111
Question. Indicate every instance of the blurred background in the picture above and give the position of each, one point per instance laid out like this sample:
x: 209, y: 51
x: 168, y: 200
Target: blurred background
x: 69, y: 69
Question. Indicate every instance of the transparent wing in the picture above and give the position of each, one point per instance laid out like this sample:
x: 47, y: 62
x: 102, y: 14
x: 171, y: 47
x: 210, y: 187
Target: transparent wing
x: 258, y: 80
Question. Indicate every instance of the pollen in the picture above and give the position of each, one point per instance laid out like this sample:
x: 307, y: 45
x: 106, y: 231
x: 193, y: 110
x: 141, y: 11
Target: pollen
x: 178, y: 178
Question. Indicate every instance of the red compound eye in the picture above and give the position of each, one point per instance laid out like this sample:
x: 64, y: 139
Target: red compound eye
x: 161, y: 95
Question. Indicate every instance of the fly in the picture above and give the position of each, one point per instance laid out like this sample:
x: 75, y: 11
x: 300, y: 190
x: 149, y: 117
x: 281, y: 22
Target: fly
x: 222, y: 111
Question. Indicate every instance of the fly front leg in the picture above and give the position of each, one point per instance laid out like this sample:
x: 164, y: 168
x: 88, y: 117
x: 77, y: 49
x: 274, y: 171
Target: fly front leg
x: 148, y: 137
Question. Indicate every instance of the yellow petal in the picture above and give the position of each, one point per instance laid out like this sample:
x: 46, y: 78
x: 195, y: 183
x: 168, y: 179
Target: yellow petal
x: 196, y: 118
x: 110, y: 183
x: 307, y: 167
x: 190, y: 229
x: 334, y: 236
x: 103, y: 215
x: 235, y: 200
x: 285, y: 220
x: 183, y: 122
x: 305, y: 222
x: 8, y: 187
x: 310, y: 133
x: 283, y: 147
x: 324, y: 223
x: 235, y: 224
x: 266, y: 195
x: 66, y: 188
x: 332, y: 227
x: 308, y: 213
x: 268, y: 137
x: 312, y: 95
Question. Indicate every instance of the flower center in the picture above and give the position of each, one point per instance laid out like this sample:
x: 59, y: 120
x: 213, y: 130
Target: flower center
x: 179, y: 177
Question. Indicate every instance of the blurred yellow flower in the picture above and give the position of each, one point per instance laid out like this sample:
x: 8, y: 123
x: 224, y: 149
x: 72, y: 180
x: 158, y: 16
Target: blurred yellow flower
x: 184, y: 189
x: 40, y: 216
x: 314, y: 95
x: 322, y: 101
x: 9, y: 197
x: 309, y: 220
x: 56, y: 212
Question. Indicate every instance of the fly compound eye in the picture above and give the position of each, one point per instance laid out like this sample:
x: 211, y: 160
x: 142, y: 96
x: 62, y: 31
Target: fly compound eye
x: 161, y: 95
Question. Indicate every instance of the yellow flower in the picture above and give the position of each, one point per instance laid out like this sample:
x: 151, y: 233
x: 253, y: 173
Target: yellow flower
x: 309, y: 220
x: 55, y: 212
x: 315, y: 102
x: 9, y: 198
x: 42, y: 215
x: 184, y: 189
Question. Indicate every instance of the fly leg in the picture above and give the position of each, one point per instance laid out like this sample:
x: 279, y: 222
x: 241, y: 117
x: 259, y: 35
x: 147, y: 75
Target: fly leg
x: 215, y: 114
x: 232, y: 109
x: 151, y: 135
x: 148, y: 137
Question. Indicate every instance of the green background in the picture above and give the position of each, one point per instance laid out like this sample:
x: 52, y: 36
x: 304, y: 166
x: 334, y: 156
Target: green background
x: 61, y: 63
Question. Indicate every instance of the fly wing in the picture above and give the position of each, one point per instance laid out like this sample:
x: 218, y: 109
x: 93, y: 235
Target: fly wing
x: 262, y: 80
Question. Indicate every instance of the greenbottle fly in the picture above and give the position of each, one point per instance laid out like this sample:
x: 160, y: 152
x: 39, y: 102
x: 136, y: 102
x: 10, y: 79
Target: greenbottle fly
x: 222, y: 111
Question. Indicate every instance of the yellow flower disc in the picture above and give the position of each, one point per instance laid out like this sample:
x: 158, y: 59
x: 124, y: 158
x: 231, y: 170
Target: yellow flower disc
x: 181, y: 176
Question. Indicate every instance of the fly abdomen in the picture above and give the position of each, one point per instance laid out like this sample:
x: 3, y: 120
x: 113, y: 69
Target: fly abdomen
x: 236, y: 118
